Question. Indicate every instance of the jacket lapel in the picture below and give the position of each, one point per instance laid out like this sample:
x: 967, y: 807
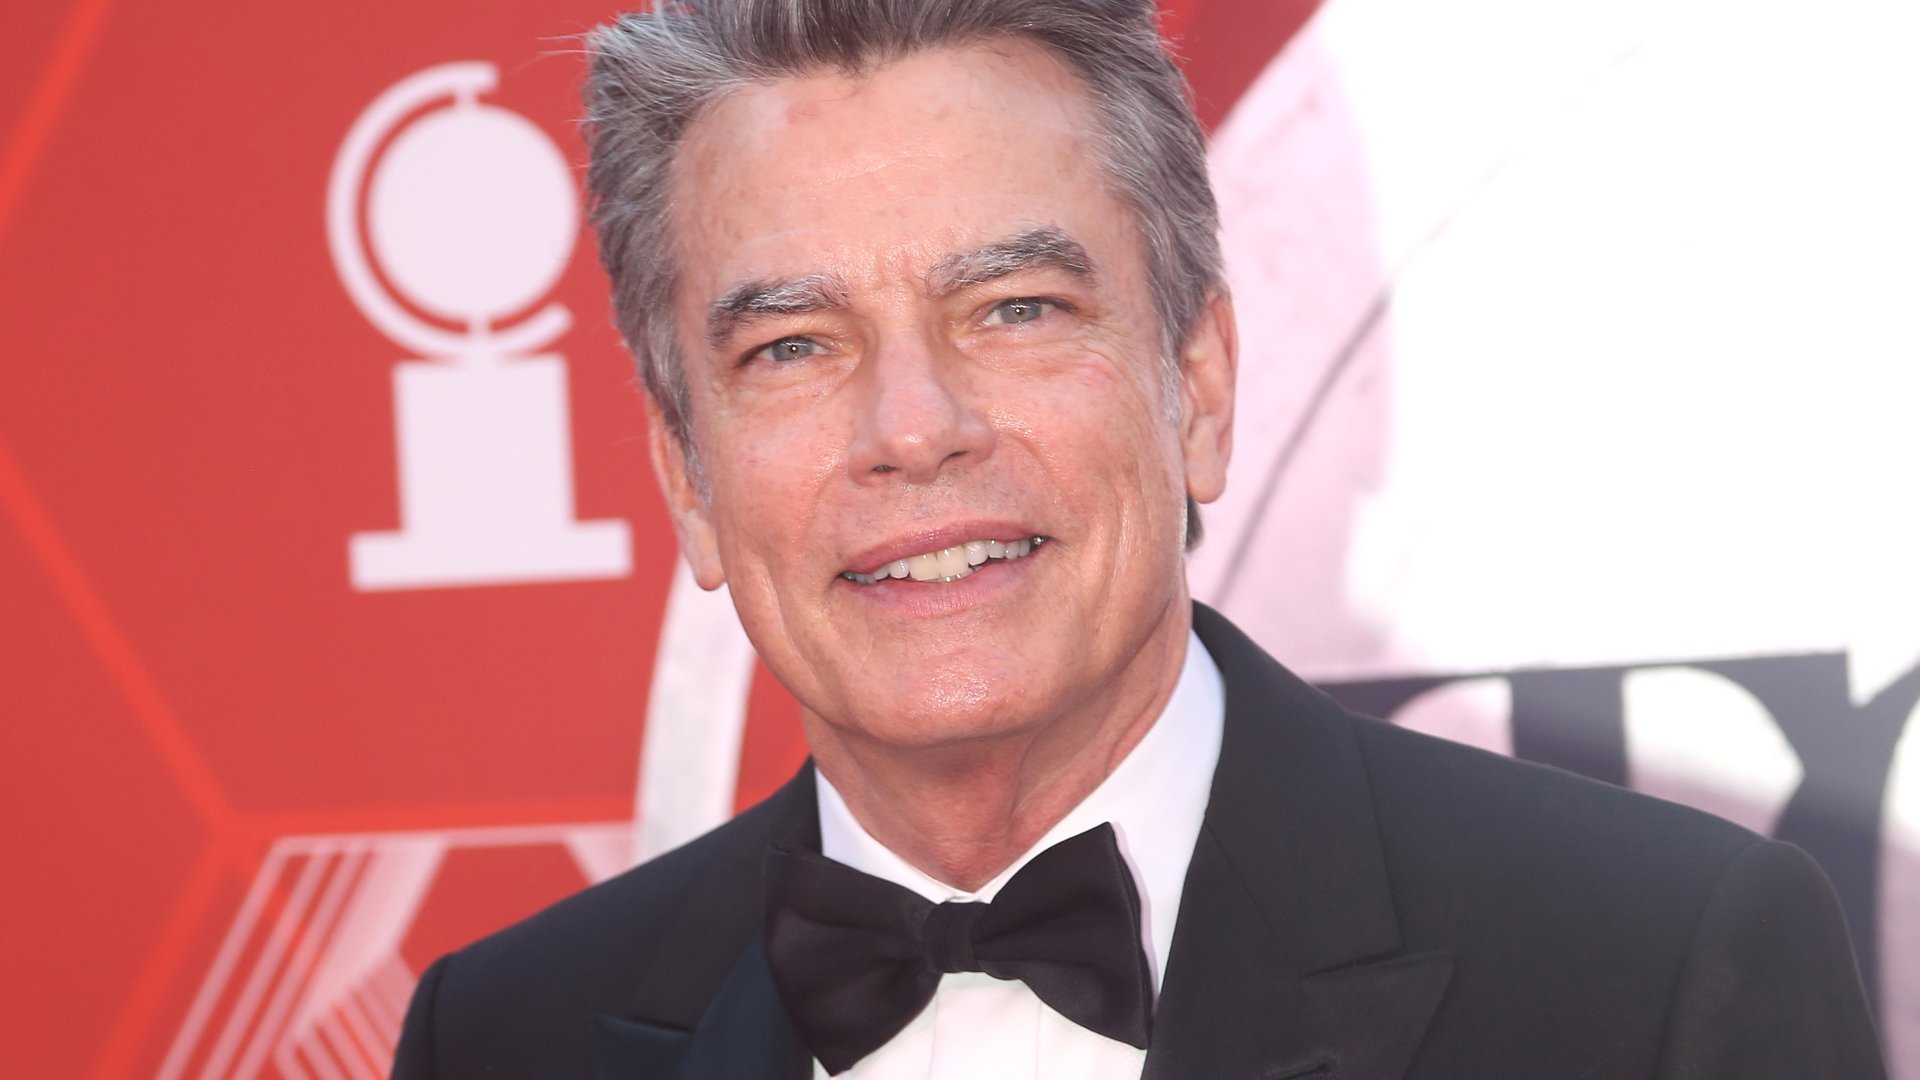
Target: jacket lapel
x: 744, y: 1035
x: 1286, y: 958
x: 708, y: 1008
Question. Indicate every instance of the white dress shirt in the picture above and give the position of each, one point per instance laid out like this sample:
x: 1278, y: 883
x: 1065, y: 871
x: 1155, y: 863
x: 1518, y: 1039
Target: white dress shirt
x: 978, y: 1027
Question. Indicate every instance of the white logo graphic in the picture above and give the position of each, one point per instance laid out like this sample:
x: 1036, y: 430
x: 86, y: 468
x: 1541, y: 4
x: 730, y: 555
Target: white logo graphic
x: 471, y: 215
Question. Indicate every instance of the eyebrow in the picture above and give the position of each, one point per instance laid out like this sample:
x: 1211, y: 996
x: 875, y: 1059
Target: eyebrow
x: 763, y: 298
x: 1042, y: 248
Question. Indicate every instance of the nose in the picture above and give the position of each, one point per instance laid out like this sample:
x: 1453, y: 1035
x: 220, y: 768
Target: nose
x: 917, y: 418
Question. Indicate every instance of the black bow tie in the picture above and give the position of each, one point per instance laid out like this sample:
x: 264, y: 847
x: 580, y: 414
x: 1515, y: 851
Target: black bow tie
x: 856, y: 958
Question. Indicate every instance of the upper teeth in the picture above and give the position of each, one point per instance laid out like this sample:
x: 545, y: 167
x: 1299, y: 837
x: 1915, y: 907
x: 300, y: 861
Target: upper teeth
x: 949, y: 564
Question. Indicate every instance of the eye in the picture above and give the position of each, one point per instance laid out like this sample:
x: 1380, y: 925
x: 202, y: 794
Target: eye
x: 1022, y: 309
x: 789, y: 348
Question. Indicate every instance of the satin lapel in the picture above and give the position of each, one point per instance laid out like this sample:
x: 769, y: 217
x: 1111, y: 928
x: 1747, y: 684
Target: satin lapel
x: 1371, y: 1017
x: 1285, y: 958
x: 634, y: 1049
x: 744, y: 1035
x: 707, y: 1008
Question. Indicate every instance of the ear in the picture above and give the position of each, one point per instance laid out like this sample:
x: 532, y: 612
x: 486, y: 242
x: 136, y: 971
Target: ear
x: 691, y: 522
x: 1208, y: 361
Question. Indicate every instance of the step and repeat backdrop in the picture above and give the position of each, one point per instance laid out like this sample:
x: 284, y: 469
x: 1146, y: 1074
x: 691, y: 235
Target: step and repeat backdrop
x: 1580, y: 420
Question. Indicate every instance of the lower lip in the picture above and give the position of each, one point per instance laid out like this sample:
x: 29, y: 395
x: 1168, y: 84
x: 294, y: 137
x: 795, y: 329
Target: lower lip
x: 924, y: 599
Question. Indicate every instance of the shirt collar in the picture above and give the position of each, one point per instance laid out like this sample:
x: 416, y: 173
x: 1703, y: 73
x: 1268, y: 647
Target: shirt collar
x: 1155, y: 799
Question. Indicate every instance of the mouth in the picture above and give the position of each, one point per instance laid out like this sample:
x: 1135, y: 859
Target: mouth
x: 948, y: 564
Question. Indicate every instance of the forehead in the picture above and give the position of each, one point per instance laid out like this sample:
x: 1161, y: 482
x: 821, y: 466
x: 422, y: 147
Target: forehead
x: 877, y: 175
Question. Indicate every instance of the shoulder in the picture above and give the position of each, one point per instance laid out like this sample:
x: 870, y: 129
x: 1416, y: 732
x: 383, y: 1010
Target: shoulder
x: 523, y: 1000
x: 1474, y: 843
x: 1490, y: 809
x: 621, y: 924
x: 1447, y: 811
x: 1708, y: 949
x: 1490, y: 849
x: 1557, y: 891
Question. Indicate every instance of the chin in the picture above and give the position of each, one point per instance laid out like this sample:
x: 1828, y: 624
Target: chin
x: 947, y: 707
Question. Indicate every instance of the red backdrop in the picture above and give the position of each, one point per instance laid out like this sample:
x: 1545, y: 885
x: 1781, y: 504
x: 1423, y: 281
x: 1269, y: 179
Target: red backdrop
x: 194, y: 418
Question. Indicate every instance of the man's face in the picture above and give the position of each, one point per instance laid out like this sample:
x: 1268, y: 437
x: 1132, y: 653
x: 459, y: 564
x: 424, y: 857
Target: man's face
x: 913, y: 319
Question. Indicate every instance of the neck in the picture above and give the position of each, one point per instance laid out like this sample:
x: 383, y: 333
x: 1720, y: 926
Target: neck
x: 963, y: 811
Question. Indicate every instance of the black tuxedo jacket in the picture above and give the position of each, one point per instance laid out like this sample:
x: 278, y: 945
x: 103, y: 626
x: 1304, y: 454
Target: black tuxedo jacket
x: 1364, y: 903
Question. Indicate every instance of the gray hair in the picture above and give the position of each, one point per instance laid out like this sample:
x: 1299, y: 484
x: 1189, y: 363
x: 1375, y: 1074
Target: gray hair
x: 652, y: 73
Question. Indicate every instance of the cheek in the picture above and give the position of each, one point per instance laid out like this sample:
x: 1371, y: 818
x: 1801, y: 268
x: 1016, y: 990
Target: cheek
x: 767, y: 481
x: 1099, y: 431
x: 1117, y: 417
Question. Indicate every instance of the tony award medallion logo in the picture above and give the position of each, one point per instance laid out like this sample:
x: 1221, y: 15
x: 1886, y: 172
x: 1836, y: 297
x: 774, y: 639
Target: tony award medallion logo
x: 470, y: 213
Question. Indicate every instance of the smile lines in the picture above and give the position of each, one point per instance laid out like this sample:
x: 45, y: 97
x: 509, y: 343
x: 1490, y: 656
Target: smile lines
x: 949, y: 564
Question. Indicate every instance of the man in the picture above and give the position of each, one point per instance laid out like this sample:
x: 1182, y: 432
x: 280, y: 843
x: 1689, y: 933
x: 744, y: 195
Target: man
x: 928, y: 301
